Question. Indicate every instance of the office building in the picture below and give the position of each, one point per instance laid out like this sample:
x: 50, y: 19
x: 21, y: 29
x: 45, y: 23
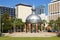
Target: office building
x: 41, y: 11
x: 22, y: 11
x: 9, y: 9
x: 54, y: 10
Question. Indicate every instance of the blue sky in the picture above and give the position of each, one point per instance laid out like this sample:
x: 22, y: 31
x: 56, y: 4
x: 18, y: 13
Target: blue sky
x: 12, y: 3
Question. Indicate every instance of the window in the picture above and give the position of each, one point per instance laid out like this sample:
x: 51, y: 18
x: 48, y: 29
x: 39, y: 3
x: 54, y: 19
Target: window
x: 42, y: 10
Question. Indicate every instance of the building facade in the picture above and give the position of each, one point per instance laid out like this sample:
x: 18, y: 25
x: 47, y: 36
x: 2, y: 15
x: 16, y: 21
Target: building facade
x: 9, y: 9
x: 22, y: 11
x: 54, y: 10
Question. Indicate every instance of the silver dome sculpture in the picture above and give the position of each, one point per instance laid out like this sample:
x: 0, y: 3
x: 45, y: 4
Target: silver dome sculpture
x: 33, y: 18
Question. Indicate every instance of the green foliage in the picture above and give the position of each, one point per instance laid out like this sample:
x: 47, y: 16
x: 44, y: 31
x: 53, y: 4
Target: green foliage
x: 6, y: 20
x: 10, y: 22
x: 58, y: 23
x: 17, y: 22
x: 51, y: 22
x: 55, y: 24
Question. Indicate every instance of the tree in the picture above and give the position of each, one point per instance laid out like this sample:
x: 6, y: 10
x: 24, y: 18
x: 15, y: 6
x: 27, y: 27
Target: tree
x: 58, y: 23
x: 51, y: 22
x: 6, y: 19
x: 17, y: 23
x: 20, y: 24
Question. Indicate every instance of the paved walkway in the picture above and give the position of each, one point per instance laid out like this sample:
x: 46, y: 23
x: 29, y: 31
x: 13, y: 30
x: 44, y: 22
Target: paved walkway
x: 23, y: 34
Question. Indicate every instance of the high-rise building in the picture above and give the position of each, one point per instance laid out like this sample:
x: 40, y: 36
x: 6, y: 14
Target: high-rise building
x: 22, y: 11
x: 41, y: 11
x: 54, y: 10
x: 9, y: 9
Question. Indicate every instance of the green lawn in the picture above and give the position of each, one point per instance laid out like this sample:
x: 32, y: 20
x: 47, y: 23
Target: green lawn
x: 29, y: 38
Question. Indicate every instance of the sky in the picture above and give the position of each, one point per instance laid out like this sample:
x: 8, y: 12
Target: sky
x: 13, y: 3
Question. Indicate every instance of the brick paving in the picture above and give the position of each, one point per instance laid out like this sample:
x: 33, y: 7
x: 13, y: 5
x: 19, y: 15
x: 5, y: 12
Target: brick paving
x: 23, y: 34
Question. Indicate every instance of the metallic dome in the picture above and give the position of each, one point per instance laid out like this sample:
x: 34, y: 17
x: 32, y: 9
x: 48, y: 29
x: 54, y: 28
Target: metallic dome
x: 33, y: 18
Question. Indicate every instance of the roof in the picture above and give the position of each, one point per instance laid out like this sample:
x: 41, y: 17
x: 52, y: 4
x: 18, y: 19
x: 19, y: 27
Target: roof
x: 24, y: 5
x: 55, y: 1
x: 7, y: 6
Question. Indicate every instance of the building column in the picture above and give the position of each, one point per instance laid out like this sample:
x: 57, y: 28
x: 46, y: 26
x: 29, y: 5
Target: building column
x: 36, y: 27
x: 29, y: 27
x: 24, y: 27
x: 40, y: 27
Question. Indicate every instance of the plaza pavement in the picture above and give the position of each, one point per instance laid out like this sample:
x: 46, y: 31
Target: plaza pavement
x: 23, y: 34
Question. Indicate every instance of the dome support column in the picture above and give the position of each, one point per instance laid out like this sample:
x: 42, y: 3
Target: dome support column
x: 36, y: 27
x: 40, y: 26
x: 25, y: 28
x: 29, y: 27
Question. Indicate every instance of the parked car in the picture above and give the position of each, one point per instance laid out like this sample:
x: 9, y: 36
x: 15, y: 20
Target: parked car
x: 54, y: 30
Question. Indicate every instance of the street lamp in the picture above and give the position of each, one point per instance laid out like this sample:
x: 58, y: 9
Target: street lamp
x: 0, y: 25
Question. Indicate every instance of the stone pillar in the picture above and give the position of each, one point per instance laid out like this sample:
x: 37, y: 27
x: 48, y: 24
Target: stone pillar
x: 25, y: 28
x: 29, y: 27
x: 40, y: 26
x: 36, y: 27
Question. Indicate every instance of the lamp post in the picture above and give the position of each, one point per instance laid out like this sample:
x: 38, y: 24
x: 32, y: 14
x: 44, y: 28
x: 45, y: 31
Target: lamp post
x: 2, y: 27
x: 0, y: 23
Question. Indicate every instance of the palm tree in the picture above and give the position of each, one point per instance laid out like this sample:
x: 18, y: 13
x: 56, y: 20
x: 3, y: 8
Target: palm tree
x: 16, y: 23
x: 20, y: 24
x: 13, y: 23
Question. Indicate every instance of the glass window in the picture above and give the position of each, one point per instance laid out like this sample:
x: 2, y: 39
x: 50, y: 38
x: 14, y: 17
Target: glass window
x: 42, y: 11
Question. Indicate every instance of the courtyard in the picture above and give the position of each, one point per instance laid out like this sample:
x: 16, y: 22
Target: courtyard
x: 23, y: 34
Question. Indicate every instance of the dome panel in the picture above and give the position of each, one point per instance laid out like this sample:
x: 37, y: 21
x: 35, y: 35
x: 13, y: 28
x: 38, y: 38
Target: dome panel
x: 33, y: 18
